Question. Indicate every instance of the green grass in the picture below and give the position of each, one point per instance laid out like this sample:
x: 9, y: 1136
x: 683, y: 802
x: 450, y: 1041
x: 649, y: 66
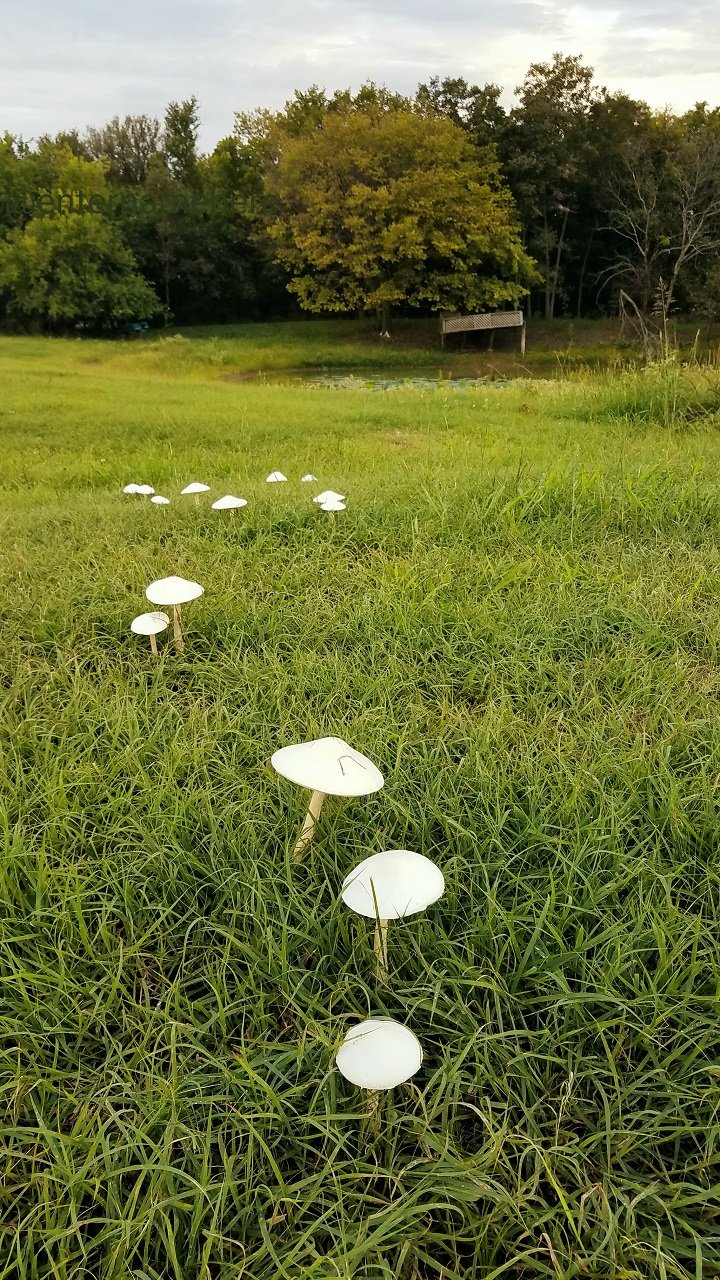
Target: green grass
x: 517, y: 618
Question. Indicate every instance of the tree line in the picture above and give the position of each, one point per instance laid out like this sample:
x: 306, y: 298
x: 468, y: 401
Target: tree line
x: 572, y: 202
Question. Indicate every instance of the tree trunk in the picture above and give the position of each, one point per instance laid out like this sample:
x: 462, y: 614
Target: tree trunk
x: 548, y: 285
x: 582, y: 273
x: 556, y: 270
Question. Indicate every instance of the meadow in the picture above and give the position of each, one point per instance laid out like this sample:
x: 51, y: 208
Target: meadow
x: 517, y: 619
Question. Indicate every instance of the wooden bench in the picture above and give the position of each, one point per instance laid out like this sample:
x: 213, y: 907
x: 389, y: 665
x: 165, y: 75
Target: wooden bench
x: 490, y: 321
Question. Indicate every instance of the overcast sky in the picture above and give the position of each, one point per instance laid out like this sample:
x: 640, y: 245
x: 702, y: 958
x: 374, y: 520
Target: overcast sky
x: 80, y: 62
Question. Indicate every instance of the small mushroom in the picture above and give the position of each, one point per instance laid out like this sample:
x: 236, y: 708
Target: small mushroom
x: 329, y: 495
x: 379, y: 1054
x: 196, y: 489
x: 276, y: 477
x: 333, y: 504
x: 174, y: 591
x: 388, y: 886
x: 160, y: 501
x: 150, y: 624
x: 229, y: 503
x: 328, y: 767
x: 308, y: 479
x: 139, y: 489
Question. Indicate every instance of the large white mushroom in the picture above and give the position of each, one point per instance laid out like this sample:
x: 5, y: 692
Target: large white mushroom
x: 150, y: 624
x: 196, y: 488
x: 329, y: 495
x: 276, y: 477
x: 379, y: 1054
x: 229, y: 503
x: 327, y: 767
x: 175, y: 592
x: 388, y: 886
x: 332, y: 504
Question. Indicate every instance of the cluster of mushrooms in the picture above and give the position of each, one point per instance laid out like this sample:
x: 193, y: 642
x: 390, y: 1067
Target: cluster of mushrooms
x: 378, y: 1053
x: 173, y: 593
x: 328, y: 500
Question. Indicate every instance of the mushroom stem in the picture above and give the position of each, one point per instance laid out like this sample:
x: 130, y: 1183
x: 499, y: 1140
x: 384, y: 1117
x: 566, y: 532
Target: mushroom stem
x: 381, y: 951
x: 177, y: 631
x: 153, y: 644
x: 308, y: 827
x: 371, y: 1120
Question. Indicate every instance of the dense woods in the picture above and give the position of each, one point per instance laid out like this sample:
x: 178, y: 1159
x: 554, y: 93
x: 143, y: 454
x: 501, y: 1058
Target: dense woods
x: 572, y: 202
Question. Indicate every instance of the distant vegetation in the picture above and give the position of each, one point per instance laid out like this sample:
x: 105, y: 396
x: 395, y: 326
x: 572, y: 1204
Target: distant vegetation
x: 582, y: 202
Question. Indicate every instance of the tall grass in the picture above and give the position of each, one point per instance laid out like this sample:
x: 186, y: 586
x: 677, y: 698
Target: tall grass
x: 517, y: 618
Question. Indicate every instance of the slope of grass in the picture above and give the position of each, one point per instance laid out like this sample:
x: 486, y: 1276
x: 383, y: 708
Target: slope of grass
x: 517, y: 618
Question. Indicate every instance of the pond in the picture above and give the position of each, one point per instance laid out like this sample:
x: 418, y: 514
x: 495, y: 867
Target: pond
x: 352, y: 380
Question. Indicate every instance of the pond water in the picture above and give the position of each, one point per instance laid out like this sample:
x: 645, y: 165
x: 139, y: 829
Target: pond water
x: 388, y: 380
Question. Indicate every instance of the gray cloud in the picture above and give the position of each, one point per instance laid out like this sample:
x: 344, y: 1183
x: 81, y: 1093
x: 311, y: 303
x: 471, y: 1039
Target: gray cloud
x: 81, y: 62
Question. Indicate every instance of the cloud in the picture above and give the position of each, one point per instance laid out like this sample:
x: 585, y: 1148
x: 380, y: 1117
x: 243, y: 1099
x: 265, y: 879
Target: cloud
x: 81, y: 62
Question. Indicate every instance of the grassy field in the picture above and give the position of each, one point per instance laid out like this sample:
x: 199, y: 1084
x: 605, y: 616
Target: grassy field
x: 518, y: 619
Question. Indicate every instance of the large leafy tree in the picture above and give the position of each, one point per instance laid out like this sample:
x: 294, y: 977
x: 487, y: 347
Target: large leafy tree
x: 72, y: 270
x: 376, y: 205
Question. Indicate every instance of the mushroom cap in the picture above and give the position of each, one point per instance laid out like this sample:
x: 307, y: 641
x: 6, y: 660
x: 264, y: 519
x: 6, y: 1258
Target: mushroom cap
x: 308, y: 478
x: 228, y: 502
x: 333, y: 504
x: 393, y: 884
x: 328, y: 765
x: 160, y: 501
x: 275, y: 477
x: 144, y: 489
x: 379, y: 1054
x: 149, y: 624
x: 195, y: 487
x: 131, y: 488
x: 328, y: 494
x: 173, y: 591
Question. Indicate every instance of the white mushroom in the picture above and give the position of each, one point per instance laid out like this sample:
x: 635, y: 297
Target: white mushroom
x: 174, y: 591
x: 131, y: 488
x: 229, y: 503
x: 390, y: 885
x: 328, y: 767
x: 144, y: 489
x: 196, y: 489
x: 276, y: 477
x: 379, y: 1054
x: 150, y: 624
x: 160, y: 501
x: 308, y: 479
x: 329, y: 495
x: 333, y: 504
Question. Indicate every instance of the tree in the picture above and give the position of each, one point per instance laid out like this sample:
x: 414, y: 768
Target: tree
x: 475, y: 109
x: 663, y: 199
x: 128, y: 146
x: 544, y: 153
x: 72, y: 270
x: 182, y: 126
x: 377, y: 207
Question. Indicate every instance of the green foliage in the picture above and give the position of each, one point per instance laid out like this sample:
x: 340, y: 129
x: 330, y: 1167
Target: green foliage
x: 68, y: 271
x: 381, y: 207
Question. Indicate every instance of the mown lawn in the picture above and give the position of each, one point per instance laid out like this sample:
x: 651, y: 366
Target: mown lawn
x: 518, y: 619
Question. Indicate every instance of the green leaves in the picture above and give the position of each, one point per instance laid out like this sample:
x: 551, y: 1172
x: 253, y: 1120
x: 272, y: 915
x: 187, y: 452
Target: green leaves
x: 387, y: 207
